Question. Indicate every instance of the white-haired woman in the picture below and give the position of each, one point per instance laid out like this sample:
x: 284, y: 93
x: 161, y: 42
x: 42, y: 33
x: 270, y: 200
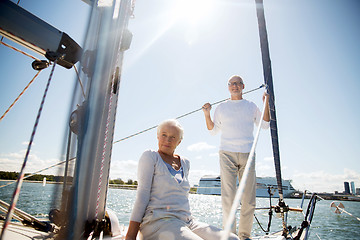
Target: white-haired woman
x: 161, y: 209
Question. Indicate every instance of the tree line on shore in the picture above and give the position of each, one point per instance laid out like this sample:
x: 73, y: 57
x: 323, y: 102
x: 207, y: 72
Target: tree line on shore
x: 52, y: 178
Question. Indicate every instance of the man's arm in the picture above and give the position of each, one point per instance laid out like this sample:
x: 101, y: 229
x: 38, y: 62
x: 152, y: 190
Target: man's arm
x: 206, y: 109
x: 267, y: 108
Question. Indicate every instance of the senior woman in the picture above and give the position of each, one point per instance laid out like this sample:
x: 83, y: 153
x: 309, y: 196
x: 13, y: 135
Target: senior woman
x: 161, y: 210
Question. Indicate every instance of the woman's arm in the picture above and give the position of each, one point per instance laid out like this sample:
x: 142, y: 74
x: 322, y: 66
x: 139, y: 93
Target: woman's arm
x: 132, y: 230
x: 146, y: 170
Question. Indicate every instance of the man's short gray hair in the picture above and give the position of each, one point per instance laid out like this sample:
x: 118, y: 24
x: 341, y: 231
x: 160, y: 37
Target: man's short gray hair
x: 236, y: 77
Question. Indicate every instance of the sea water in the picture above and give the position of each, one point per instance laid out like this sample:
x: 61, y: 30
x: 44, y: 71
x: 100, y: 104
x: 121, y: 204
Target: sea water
x: 37, y: 199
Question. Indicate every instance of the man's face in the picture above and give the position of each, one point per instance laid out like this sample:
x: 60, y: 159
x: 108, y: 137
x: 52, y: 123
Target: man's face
x: 236, y: 86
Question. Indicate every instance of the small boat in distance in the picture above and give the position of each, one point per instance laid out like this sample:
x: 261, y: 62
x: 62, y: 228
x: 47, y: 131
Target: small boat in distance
x: 211, y: 185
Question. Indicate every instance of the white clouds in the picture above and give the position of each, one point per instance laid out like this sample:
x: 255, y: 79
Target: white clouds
x: 269, y: 159
x: 200, y: 146
x: 124, y: 169
x: 13, y: 162
x: 321, y: 181
x: 263, y: 167
x: 315, y: 181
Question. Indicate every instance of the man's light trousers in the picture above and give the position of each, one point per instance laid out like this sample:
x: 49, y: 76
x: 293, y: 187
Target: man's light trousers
x: 232, y: 166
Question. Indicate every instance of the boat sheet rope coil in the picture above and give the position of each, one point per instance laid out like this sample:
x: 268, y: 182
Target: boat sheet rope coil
x: 20, y: 179
x: 241, y: 188
x: 184, y: 115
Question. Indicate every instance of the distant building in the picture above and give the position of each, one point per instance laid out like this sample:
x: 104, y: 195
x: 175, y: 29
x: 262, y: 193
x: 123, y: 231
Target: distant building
x: 347, y: 188
x: 352, y: 184
x: 357, y: 191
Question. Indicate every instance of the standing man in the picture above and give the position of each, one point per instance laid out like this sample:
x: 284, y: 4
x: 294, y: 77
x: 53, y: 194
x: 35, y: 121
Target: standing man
x: 235, y: 119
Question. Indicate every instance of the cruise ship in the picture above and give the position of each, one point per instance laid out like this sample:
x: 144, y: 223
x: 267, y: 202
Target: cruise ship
x: 211, y: 185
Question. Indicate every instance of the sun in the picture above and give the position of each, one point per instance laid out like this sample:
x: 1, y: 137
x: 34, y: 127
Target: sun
x: 193, y: 12
x: 194, y: 15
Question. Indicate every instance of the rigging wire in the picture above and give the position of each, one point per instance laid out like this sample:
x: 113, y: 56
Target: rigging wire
x: 27, y: 86
x: 20, y: 179
x: 184, y: 115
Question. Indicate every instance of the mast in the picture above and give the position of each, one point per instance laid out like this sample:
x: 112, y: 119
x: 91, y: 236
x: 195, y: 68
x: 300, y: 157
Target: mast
x: 93, y: 118
x: 269, y: 82
x: 281, y: 208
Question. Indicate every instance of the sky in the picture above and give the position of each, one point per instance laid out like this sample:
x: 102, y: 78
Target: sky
x: 181, y: 56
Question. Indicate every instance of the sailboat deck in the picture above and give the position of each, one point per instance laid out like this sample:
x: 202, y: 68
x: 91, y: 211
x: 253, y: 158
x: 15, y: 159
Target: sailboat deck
x: 18, y: 231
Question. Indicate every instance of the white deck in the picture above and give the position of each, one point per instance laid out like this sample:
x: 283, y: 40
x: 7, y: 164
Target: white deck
x: 18, y: 231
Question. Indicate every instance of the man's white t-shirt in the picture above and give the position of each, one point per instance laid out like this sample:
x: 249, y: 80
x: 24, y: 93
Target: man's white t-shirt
x: 235, y: 120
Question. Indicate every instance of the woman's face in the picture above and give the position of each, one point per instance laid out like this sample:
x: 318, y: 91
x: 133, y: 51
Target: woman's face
x: 168, y: 139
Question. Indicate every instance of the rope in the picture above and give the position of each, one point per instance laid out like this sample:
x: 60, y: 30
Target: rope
x: 18, y: 50
x: 21, y: 174
x: 241, y: 188
x: 27, y: 86
x: 184, y: 115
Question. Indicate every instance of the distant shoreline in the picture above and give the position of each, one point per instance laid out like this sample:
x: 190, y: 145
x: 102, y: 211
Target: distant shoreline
x: 325, y: 196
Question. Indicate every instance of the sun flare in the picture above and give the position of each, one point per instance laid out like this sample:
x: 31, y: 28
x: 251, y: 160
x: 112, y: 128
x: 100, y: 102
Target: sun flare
x: 193, y: 12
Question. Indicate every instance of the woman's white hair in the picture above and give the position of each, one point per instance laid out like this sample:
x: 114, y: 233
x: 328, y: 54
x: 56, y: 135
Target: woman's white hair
x: 171, y: 122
